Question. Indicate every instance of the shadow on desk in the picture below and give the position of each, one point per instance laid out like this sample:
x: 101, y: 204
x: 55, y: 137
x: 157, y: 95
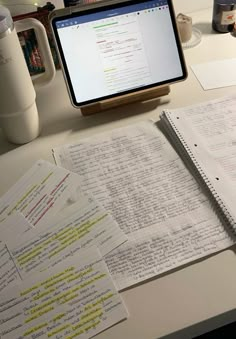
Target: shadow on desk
x: 205, y: 28
x: 78, y: 122
x: 74, y: 121
x: 219, y: 327
x: 222, y: 326
x: 6, y: 146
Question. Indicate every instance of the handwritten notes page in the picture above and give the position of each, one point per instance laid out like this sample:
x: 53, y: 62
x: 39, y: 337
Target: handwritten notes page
x: 90, y: 225
x: 75, y: 299
x: 214, y: 124
x: 79, y: 223
x: 43, y: 191
x: 138, y: 177
x: 9, y: 274
x: 8, y: 271
x: 209, y: 130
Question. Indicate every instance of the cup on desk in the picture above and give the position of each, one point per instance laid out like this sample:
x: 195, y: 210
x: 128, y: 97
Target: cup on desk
x: 184, y: 24
x: 19, y: 118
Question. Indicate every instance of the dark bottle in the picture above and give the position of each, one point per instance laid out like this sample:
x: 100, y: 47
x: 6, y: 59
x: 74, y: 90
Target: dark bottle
x: 224, y: 15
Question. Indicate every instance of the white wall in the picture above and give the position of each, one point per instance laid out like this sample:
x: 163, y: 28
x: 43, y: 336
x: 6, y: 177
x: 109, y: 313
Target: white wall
x: 184, y: 6
x: 16, y: 7
x: 187, y: 6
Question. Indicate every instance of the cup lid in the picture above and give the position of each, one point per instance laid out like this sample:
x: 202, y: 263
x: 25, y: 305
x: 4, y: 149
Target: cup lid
x: 6, y: 21
x: 225, y: 2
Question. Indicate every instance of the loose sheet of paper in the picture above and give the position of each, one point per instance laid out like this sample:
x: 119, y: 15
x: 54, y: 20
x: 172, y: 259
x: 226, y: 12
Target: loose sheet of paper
x: 216, y: 74
x: 15, y: 224
x: 8, y: 271
x: 40, y: 194
x: 88, y: 225
x: 138, y: 177
x: 75, y: 299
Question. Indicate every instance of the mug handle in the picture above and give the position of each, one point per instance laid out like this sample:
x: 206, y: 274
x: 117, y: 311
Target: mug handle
x: 41, y: 35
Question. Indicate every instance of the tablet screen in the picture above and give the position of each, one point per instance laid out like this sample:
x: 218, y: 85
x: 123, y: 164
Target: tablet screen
x: 118, y: 48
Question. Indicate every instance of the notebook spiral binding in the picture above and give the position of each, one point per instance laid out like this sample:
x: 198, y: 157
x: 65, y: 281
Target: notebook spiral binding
x: 220, y: 206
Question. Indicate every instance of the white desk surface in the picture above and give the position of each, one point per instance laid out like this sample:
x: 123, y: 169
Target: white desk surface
x: 198, y: 297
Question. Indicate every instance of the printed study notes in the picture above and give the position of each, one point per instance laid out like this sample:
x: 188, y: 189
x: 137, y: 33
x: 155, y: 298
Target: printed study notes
x: 89, y: 225
x: 40, y: 194
x: 54, y: 282
x: 74, y: 299
x: 139, y: 178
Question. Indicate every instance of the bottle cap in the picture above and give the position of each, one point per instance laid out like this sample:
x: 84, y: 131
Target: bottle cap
x: 6, y: 22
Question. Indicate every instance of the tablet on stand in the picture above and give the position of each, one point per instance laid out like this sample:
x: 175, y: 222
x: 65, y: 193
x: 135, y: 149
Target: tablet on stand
x: 116, y: 52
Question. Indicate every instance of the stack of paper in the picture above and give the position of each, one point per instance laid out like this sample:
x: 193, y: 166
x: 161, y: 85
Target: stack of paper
x: 53, y: 279
x: 137, y: 176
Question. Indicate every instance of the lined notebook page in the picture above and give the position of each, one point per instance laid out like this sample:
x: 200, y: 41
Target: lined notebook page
x: 139, y: 178
x: 214, y: 124
x: 209, y: 131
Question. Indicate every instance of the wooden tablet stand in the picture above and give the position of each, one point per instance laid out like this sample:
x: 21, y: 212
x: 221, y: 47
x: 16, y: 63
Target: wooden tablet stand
x: 141, y: 95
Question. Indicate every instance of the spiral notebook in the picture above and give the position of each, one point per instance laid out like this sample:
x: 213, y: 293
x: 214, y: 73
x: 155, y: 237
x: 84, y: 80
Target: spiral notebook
x: 205, y: 137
